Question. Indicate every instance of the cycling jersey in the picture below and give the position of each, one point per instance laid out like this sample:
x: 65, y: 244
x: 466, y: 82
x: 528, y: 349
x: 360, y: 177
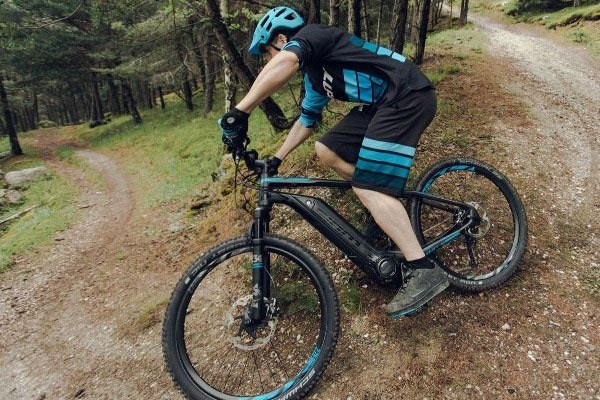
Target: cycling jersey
x: 342, y: 66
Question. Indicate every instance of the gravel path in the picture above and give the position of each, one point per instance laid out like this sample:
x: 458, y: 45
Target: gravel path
x: 560, y: 84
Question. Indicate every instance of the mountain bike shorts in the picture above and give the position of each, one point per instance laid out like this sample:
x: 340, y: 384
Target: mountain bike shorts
x: 382, y: 142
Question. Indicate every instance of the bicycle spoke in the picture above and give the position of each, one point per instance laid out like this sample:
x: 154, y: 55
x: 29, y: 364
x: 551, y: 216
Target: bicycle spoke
x: 258, y: 370
x: 280, y: 361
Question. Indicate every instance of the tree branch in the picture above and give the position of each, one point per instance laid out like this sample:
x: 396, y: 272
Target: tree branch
x: 61, y: 19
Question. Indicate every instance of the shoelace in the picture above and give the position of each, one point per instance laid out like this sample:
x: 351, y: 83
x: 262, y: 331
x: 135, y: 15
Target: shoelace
x: 407, y: 276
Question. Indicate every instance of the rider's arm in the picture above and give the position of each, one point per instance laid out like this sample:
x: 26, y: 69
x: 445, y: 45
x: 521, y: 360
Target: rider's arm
x: 273, y: 76
x: 298, y: 134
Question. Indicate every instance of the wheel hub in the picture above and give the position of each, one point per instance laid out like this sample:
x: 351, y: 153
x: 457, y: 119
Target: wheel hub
x: 483, y: 226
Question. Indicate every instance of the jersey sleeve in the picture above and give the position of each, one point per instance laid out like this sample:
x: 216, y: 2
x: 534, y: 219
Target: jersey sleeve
x: 313, y: 43
x: 312, y: 105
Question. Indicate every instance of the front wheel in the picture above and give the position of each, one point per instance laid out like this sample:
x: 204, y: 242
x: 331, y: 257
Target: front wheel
x: 485, y: 255
x: 212, y: 353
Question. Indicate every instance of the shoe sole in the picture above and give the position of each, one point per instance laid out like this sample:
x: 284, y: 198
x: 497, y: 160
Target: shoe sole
x: 434, y: 291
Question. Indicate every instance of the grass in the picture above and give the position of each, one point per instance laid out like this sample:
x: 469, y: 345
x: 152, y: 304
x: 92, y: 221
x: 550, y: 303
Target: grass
x: 152, y: 314
x: 173, y: 152
x: 4, y: 144
x: 55, y: 198
x: 578, y: 24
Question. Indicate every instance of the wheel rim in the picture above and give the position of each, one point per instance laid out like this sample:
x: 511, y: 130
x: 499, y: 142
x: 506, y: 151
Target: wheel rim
x: 228, y: 363
x: 493, y: 243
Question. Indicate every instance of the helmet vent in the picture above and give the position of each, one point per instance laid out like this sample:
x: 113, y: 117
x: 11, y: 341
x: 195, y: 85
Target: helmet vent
x: 290, y: 17
x: 280, y: 12
x: 269, y: 26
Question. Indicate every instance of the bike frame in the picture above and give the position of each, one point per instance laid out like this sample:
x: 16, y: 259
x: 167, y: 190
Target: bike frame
x: 334, y: 227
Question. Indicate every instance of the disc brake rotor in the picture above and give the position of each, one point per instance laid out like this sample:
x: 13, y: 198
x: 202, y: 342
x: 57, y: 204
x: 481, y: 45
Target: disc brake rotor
x: 251, y: 338
x: 484, y: 224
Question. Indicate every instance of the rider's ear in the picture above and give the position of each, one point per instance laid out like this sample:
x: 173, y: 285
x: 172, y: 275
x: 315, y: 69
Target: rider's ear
x: 281, y: 38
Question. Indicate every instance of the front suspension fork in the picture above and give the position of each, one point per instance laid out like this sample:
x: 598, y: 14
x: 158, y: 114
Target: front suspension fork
x: 261, y: 266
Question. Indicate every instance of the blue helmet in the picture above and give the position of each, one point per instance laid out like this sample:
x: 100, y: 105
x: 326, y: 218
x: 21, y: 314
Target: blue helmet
x: 278, y: 19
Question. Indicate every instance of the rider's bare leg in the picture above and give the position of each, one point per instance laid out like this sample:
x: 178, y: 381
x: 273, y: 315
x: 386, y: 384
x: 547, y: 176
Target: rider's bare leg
x: 388, y: 212
x: 333, y: 161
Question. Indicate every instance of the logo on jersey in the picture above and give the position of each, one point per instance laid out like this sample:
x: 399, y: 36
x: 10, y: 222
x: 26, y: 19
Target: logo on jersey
x: 328, y: 83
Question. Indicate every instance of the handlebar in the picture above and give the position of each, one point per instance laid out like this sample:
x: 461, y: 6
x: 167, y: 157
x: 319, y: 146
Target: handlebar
x: 250, y: 157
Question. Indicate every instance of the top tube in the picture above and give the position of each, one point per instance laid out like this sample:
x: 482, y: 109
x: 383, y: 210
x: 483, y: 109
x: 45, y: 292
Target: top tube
x: 289, y: 182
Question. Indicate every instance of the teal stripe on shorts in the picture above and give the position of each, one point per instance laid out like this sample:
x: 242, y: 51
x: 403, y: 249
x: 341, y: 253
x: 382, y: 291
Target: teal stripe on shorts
x: 388, y: 169
x: 388, y: 158
x: 392, y: 147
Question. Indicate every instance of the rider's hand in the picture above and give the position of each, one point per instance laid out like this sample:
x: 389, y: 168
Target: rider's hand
x: 234, y: 125
x: 273, y: 164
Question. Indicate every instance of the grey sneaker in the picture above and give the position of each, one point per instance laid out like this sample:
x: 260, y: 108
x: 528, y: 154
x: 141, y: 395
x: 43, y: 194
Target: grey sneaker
x: 422, y: 286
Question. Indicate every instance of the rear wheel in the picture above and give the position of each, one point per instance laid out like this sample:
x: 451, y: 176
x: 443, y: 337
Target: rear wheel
x: 212, y: 353
x: 486, y: 255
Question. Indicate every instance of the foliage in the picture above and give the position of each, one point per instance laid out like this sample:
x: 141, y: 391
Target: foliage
x: 529, y: 9
x: 567, y: 16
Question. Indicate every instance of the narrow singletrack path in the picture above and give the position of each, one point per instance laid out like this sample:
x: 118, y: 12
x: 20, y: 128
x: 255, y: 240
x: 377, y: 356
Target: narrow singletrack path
x: 60, y: 312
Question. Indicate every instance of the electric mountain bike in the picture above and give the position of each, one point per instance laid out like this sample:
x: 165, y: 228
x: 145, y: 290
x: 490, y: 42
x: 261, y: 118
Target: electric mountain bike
x: 256, y: 317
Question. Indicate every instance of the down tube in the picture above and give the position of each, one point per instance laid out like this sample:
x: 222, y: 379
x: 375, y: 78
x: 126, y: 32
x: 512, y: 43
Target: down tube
x: 334, y: 227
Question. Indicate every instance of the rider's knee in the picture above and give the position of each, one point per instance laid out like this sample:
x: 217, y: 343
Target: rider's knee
x: 325, y: 155
x: 365, y: 196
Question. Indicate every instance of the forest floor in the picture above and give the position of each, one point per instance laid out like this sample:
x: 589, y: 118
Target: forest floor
x: 82, y: 319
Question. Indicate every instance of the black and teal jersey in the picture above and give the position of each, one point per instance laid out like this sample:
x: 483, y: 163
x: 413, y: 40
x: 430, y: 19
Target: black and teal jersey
x: 338, y: 65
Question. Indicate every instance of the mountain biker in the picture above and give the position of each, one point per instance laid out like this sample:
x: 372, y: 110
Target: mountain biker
x: 373, y: 146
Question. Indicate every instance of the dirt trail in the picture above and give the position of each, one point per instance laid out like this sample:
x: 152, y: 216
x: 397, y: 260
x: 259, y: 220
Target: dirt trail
x: 560, y: 84
x: 59, y: 311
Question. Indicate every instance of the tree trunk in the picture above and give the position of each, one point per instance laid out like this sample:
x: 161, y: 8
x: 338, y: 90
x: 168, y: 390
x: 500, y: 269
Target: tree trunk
x: 209, y: 89
x: 123, y: 98
x: 313, y: 8
x: 3, y: 129
x: 451, y: 13
x: 148, y: 93
x: 354, y: 17
x: 379, y: 15
x: 398, y: 31
x: 126, y: 89
x: 334, y: 12
x: 423, y: 31
x: 269, y: 107
x: 366, y: 19
x: 186, y: 86
x: 162, y: 99
x: 576, y: 3
x: 414, y: 21
x: 439, y: 11
x: 15, y: 147
x: 229, y: 83
x: 73, y: 109
x: 97, y: 100
x: 153, y: 96
x: 36, y: 105
x: 113, y: 97
x: 210, y: 85
x: 196, y: 53
x: 464, y: 10
x: 30, y: 118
